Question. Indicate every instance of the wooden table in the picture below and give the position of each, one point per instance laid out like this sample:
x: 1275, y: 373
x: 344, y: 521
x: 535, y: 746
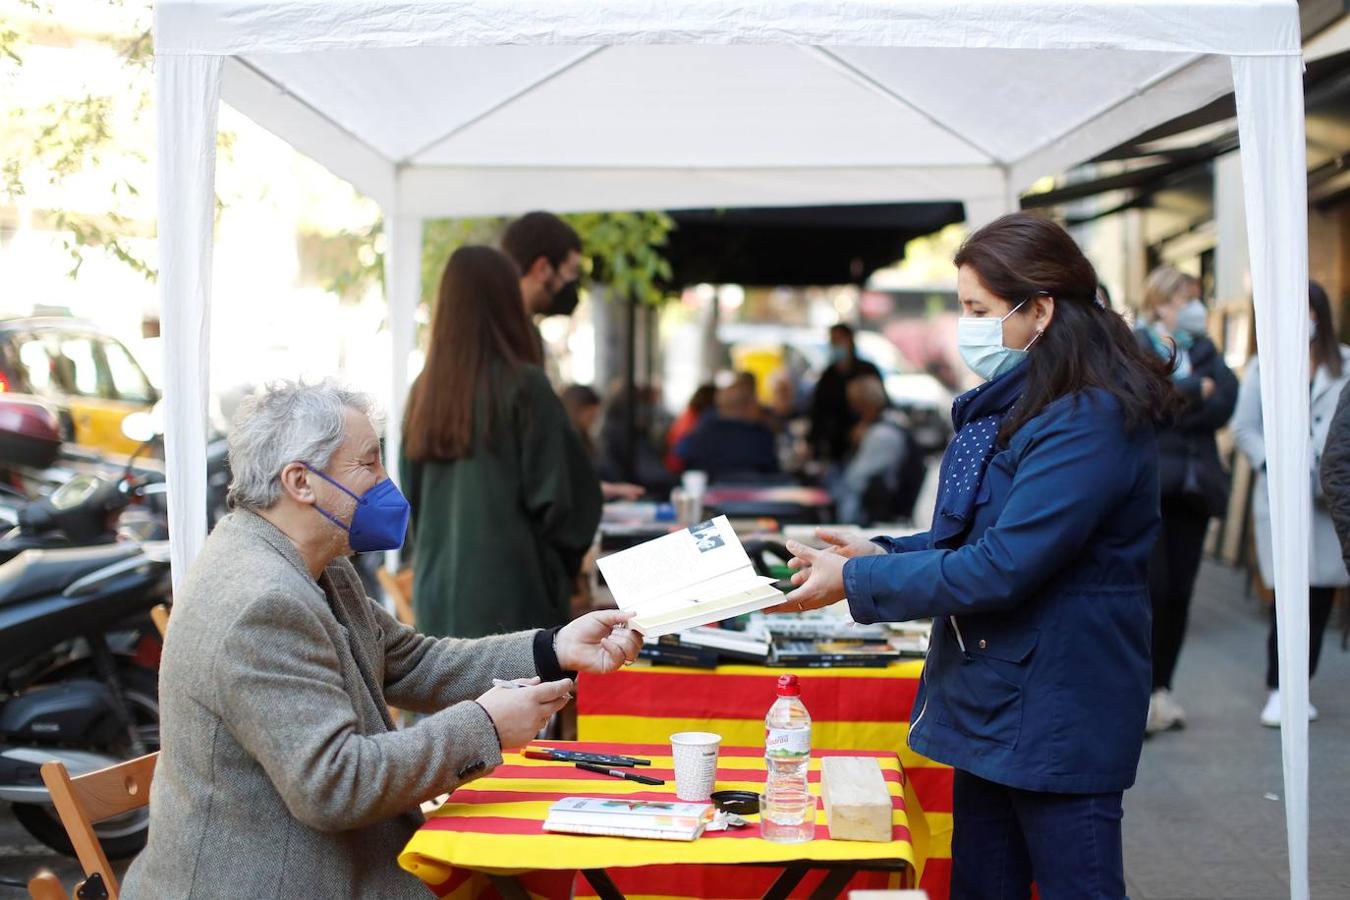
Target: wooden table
x: 851, y: 709
x: 489, y: 835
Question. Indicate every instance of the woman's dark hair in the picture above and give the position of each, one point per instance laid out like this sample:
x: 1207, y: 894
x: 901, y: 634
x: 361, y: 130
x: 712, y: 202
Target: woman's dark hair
x: 703, y: 398
x: 1087, y: 344
x: 1326, y: 349
x: 479, y: 326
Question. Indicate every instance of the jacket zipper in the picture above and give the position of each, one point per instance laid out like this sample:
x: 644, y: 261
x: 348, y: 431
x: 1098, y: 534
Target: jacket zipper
x: 923, y: 676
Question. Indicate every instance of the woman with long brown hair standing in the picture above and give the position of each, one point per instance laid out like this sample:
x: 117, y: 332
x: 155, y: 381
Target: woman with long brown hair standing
x: 1035, y: 572
x: 504, y: 501
x: 1329, y: 369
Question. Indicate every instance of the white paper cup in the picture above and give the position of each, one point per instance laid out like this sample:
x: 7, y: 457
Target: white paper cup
x: 695, y: 482
x: 695, y: 755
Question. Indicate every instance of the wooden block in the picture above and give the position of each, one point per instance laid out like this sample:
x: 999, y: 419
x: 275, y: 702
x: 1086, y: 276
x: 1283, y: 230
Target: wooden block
x: 857, y: 804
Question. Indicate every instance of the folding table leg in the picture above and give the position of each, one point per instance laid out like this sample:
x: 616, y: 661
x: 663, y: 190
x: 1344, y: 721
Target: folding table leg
x: 509, y: 888
x: 791, y: 877
x: 604, y: 886
x: 833, y: 884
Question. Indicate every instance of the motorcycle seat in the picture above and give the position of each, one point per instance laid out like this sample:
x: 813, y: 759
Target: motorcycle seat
x: 36, y: 573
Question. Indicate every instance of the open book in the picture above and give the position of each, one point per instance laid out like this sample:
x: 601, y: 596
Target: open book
x: 694, y: 576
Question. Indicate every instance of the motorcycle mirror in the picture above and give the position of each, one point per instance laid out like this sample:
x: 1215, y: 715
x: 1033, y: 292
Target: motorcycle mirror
x: 139, y: 427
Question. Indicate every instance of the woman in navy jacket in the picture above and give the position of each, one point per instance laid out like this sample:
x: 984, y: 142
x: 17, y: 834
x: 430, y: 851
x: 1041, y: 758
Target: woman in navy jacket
x: 1035, y: 572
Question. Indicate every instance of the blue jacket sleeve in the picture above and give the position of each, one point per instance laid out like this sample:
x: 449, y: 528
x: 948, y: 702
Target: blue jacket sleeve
x: 903, y: 544
x: 1073, y: 472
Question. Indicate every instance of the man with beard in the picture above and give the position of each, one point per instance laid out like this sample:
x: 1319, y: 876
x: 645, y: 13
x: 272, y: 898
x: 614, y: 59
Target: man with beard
x: 548, y: 253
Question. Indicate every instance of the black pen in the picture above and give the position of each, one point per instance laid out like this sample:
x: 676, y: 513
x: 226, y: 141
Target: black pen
x: 619, y: 773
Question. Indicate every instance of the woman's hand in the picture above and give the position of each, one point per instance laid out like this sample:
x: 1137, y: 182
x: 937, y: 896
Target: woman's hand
x: 598, y: 642
x: 819, y: 579
x: 519, y: 713
x: 846, y: 548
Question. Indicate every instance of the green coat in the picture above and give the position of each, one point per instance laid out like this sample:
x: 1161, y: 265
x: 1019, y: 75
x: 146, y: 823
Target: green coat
x: 498, y: 537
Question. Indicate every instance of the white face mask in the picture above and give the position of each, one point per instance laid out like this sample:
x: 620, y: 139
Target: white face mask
x: 980, y: 340
x: 1193, y: 318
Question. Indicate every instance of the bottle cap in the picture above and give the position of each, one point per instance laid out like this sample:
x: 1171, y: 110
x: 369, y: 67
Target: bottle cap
x: 788, y: 686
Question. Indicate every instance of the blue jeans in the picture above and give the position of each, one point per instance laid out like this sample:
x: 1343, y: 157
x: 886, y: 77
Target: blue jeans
x: 1003, y: 839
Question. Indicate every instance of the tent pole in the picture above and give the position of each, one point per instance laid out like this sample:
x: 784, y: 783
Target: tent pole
x: 187, y: 106
x: 1269, y: 94
x: 402, y: 291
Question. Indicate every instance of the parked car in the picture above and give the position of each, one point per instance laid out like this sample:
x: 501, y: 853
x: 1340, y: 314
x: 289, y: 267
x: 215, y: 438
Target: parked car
x: 87, y: 375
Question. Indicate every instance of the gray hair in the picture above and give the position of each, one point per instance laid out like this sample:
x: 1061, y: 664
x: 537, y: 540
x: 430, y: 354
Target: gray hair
x: 283, y: 423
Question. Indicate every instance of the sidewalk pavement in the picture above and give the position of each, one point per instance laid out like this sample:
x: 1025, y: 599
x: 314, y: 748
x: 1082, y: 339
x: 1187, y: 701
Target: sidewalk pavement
x: 1206, y: 817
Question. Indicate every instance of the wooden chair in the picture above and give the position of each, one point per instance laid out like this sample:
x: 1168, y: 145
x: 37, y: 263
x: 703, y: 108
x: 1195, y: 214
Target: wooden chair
x: 46, y: 886
x: 160, y: 616
x: 399, y: 588
x: 84, y: 801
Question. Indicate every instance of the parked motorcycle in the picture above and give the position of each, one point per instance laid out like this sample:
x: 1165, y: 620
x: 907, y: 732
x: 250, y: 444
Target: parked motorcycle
x: 74, y: 685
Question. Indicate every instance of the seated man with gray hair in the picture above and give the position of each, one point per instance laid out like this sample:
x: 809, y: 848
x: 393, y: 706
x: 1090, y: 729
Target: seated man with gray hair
x: 281, y: 773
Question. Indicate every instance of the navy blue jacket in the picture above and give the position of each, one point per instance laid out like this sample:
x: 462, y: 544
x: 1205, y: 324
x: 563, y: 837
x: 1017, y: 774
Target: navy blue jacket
x: 726, y: 448
x: 1048, y: 592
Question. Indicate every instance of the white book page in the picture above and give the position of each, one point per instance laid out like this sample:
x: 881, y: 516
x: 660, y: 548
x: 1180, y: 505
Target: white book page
x: 703, y: 561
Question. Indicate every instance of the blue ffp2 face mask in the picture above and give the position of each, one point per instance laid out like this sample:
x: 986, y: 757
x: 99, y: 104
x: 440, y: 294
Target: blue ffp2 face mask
x: 381, y: 517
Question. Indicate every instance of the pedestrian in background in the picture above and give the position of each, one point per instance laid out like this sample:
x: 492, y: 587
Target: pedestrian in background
x: 505, y: 503
x: 1329, y: 368
x: 831, y: 420
x: 1193, y: 481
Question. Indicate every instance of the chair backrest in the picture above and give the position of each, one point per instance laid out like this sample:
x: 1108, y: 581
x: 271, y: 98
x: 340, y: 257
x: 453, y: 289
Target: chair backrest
x: 84, y: 801
x: 160, y: 616
x: 399, y: 588
x: 46, y: 886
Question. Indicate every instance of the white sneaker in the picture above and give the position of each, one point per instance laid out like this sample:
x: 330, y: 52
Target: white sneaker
x: 1161, y: 713
x: 1270, y: 716
x: 1172, y: 709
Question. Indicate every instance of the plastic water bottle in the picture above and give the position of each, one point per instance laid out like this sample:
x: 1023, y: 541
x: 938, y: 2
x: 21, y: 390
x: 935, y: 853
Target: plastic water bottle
x: 788, y: 813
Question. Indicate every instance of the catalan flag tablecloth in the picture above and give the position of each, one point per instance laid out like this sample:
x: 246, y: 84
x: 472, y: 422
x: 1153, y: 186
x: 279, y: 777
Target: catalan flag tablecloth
x: 851, y: 709
x: 494, y: 825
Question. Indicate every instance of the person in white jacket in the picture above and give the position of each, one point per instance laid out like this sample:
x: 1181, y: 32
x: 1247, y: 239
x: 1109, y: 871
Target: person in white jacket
x: 1330, y: 368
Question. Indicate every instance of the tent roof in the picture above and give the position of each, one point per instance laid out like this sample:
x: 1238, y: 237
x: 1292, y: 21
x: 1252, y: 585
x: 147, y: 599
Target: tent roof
x: 461, y: 108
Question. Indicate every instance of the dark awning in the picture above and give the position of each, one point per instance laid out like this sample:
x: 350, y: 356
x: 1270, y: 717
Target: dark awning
x: 797, y: 245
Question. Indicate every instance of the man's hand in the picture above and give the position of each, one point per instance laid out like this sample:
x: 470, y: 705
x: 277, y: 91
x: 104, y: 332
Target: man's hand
x: 519, y: 713
x: 1207, y: 388
x: 598, y: 642
x: 819, y: 579
x: 843, y: 546
x: 620, y: 490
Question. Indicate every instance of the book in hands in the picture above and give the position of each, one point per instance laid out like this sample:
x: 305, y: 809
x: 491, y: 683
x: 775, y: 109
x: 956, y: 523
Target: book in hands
x: 618, y: 817
x: 695, y: 576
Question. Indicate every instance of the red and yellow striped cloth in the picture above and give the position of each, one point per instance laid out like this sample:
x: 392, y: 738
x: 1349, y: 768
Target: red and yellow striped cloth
x: 851, y: 709
x: 495, y: 824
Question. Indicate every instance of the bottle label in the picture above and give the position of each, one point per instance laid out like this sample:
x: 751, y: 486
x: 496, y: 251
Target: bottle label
x: 787, y: 743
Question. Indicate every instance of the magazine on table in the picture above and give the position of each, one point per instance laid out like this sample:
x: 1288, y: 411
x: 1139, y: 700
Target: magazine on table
x: 695, y: 576
x: 618, y: 817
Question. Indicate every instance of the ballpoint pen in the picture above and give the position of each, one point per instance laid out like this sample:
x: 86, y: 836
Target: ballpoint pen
x: 619, y: 773
x: 599, y: 759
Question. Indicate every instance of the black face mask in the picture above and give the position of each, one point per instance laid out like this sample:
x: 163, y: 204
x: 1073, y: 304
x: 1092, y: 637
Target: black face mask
x: 564, y: 302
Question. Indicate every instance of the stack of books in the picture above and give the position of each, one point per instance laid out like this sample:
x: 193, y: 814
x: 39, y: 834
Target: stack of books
x: 617, y: 817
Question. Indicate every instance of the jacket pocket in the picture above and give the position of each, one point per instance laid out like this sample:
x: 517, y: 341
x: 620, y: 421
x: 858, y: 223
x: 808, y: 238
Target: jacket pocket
x: 982, y: 687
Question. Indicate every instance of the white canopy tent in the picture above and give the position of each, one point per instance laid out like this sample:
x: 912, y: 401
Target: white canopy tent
x: 472, y: 107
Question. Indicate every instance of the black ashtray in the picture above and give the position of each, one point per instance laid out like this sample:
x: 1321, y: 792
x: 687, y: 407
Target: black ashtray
x: 741, y: 803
